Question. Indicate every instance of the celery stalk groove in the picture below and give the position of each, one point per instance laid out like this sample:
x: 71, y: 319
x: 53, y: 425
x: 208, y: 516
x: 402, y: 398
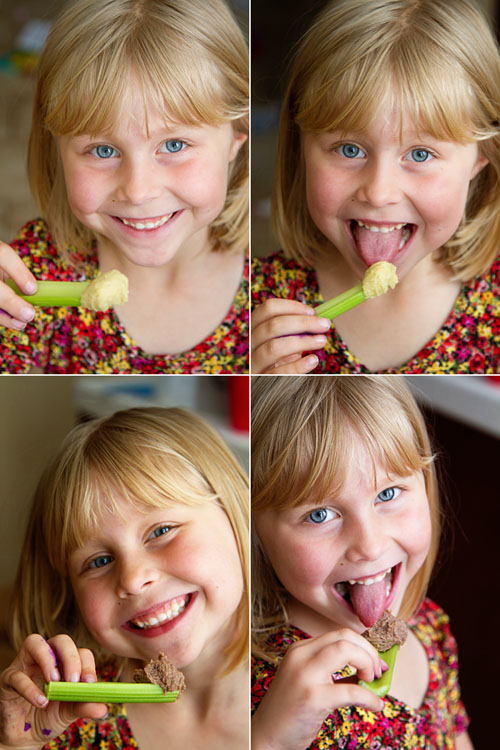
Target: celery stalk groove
x: 53, y: 293
x: 108, y: 692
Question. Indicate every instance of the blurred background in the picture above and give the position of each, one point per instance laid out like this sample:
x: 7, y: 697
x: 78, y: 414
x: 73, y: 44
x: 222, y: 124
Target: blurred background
x: 38, y: 412
x: 276, y: 28
x: 463, y: 417
x: 24, y: 25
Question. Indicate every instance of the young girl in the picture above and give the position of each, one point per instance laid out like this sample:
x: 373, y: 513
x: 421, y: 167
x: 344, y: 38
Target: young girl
x: 140, y: 513
x: 388, y: 150
x: 138, y: 161
x: 346, y: 515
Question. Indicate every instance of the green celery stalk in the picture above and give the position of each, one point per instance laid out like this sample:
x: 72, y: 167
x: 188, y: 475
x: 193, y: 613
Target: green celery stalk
x: 341, y: 303
x: 53, y: 293
x: 382, y: 686
x: 108, y: 692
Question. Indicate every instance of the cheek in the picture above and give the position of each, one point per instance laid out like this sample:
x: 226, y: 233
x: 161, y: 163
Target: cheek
x: 444, y: 204
x: 301, y: 564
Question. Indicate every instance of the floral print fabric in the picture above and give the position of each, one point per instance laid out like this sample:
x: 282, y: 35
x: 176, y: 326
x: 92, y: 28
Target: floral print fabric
x: 468, y: 341
x: 435, y: 724
x: 76, y: 340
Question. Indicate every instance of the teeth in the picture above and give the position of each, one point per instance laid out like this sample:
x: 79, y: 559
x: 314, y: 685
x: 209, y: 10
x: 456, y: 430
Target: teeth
x: 169, y: 612
x: 384, y: 230
x: 148, y: 224
x: 404, y: 238
x: 369, y: 581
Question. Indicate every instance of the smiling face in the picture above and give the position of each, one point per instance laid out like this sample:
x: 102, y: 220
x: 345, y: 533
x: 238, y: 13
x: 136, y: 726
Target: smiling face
x: 382, y: 194
x: 150, y: 193
x: 160, y: 579
x: 360, y: 534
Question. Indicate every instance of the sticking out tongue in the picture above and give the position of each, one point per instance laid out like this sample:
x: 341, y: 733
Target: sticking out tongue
x: 375, y: 246
x: 368, y: 601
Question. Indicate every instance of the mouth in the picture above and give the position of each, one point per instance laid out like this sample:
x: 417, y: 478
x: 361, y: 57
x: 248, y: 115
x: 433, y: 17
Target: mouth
x: 369, y: 596
x: 147, y: 224
x: 160, y: 618
x: 376, y: 241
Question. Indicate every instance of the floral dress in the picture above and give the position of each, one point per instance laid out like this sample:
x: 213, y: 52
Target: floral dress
x: 468, y: 341
x: 75, y: 340
x: 434, y: 725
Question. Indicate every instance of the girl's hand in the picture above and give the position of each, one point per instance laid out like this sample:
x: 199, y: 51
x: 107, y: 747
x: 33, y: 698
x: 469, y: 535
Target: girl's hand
x: 14, y: 311
x: 27, y: 718
x: 303, y: 693
x: 282, y: 330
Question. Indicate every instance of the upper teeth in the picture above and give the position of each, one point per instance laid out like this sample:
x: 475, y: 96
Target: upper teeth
x: 148, y: 224
x: 167, y: 612
x: 373, y: 228
x: 369, y: 581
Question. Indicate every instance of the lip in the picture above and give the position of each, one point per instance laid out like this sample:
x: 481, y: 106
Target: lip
x: 167, y: 625
x: 395, y: 582
x: 400, y: 255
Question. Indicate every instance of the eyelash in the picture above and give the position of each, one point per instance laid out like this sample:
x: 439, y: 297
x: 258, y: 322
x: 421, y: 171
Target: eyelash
x: 395, y: 490
x: 339, y: 150
x: 163, y: 528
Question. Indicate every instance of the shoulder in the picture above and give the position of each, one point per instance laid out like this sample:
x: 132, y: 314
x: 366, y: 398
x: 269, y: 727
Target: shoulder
x: 431, y: 625
x: 278, y: 276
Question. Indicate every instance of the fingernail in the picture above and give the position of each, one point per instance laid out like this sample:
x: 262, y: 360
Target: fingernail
x: 324, y: 323
x: 42, y: 700
x: 30, y: 287
x: 319, y: 340
x: 89, y: 678
x: 27, y: 314
x: 385, y: 666
x: 74, y: 677
x: 312, y: 361
x: 55, y: 676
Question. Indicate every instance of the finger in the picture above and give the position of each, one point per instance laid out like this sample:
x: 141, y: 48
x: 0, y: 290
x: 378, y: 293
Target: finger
x: 71, y: 711
x: 288, y: 325
x: 268, y: 354
x: 340, y: 695
x: 24, y: 686
x: 297, y: 366
x: 14, y: 311
x: 88, y: 673
x: 36, y: 652
x: 68, y: 657
x: 275, y: 306
x: 13, y: 267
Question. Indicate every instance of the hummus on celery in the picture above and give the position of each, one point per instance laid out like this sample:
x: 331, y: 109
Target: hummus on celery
x: 107, y: 290
x: 378, y: 278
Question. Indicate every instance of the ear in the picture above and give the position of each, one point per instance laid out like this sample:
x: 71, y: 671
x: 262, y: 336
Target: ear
x: 238, y: 141
x: 481, y: 162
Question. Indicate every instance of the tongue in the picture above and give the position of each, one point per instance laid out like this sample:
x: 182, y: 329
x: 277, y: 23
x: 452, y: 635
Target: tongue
x: 368, y: 601
x: 375, y: 246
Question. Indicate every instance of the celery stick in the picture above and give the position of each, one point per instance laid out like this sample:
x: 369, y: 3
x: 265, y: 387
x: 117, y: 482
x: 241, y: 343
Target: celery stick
x: 108, y: 692
x: 341, y: 303
x: 382, y: 686
x: 53, y: 293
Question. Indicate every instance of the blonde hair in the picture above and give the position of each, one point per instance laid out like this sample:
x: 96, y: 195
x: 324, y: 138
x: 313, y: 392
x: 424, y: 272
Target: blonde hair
x: 443, y: 64
x: 153, y: 457
x: 302, y: 432
x: 189, y: 58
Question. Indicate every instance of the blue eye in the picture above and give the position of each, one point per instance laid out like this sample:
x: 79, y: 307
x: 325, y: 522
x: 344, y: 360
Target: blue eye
x: 101, y: 562
x: 174, y: 146
x: 420, y: 155
x: 389, y: 494
x: 104, y: 152
x: 161, y: 530
x: 320, y: 515
x: 351, y: 151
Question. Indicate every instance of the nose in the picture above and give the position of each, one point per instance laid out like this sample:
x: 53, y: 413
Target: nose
x: 366, y: 540
x: 140, y: 180
x: 380, y: 183
x: 134, y: 575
